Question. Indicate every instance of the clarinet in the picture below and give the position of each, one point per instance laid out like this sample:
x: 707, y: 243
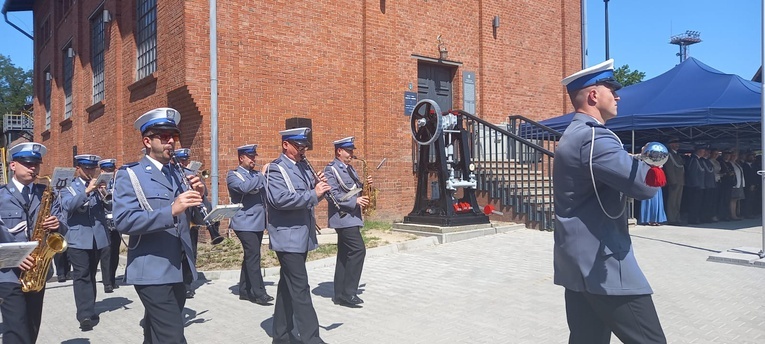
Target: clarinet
x: 212, y: 228
x: 330, y: 197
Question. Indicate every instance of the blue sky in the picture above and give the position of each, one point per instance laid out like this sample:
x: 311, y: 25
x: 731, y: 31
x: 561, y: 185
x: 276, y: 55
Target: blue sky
x: 639, y: 30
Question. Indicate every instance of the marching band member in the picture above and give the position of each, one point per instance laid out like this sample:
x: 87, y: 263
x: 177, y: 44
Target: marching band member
x: 342, y: 178
x: 19, y: 205
x: 246, y: 186
x: 86, y: 235
x: 110, y: 256
x: 605, y: 290
x: 292, y: 193
x: 152, y: 206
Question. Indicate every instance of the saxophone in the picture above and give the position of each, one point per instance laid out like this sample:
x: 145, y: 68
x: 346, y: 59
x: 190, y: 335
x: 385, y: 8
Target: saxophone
x: 368, y: 190
x: 49, y: 243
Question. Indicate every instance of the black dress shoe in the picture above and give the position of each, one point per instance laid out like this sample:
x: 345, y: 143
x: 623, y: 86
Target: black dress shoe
x: 190, y: 294
x: 357, y: 300
x: 108, y: 289
x: 61, y: 279
x: 244, y: 296
x: 86, y: 324
x: 269, y: 297
x: 342, y: 301
x: 263, y: 300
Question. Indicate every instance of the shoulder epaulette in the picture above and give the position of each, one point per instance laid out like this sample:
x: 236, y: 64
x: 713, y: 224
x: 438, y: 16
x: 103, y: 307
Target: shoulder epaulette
x: 596, y: 125
x: 130, y: 164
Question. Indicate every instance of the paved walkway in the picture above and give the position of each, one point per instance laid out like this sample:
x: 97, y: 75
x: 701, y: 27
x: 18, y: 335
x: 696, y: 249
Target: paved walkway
x: 494, y: 289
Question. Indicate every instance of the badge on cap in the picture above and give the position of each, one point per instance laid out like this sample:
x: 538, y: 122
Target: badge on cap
x: 28, y: 152
x: 247, y: 149
x: 295, y: 134
x: 183, y: 153
x: 346, y: 143
x: 602, y: 73
x: 107, y: 163
x: 89, y: 160
x: 159, y: 118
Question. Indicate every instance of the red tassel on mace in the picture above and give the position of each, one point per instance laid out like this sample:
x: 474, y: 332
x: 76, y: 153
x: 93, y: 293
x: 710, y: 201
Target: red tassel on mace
x: 656, y: 177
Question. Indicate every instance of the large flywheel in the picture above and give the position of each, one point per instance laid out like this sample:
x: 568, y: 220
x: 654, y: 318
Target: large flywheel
x: 426, y: 122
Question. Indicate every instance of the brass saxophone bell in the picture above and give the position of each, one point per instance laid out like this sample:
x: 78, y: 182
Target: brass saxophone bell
x: 204, y: 174
x: 654, y: 154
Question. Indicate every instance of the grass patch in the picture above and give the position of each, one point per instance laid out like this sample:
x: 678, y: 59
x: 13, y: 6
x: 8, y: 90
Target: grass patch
x: 228, y: 254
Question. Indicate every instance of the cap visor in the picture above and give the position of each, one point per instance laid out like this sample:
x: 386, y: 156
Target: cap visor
x: 163, y: 127
x: 29, y: 160
x: 612, y: 83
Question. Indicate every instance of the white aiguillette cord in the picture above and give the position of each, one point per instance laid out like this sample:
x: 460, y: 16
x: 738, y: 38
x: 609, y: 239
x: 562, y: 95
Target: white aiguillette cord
x: 592, y: 176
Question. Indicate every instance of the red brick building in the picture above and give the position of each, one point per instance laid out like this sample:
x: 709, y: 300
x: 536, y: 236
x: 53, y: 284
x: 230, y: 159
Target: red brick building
x: 344, y: 64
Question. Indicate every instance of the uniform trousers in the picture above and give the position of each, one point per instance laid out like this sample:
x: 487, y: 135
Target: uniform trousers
x: 592, y: 318
x: 350, y: 261
x: 674, y: 199
x: 250, y: 278
x: 110, y: 259
x: 22, y: 313
x: 84, y: 267
x: 293, y: 299
x: 61, y: 260
x: 163, y: 312
x: 695, y: 198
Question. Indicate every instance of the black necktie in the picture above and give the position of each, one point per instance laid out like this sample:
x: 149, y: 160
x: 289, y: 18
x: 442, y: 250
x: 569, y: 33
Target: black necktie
x: 352, y: 173
x: 25, y: 194
x: 167, y: 171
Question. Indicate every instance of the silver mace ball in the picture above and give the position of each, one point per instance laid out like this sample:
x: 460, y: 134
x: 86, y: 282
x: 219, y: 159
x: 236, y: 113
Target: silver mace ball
x: 654, y: 154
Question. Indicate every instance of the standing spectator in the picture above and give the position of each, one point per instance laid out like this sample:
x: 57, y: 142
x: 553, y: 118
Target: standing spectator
x: 709, y: 211
x: 727, y: 180
x: 737, y: 193
x: 752, y: 190
x: 652, y: 210
x: 674, y: 169
x: 694, y: 184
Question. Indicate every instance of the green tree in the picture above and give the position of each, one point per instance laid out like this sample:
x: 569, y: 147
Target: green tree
x: 627, y: 77
x: 15, y: 86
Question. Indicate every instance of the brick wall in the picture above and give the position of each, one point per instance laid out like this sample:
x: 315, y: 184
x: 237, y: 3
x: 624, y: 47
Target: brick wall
x: 343, y: 63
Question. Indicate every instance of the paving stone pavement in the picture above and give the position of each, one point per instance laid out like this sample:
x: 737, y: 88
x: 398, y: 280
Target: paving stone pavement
x: 493, y: 289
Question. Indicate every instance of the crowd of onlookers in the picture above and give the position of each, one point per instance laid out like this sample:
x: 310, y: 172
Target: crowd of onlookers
x: 706, y: 185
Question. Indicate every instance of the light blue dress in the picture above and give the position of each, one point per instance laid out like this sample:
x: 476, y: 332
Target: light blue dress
x: 652, y: 210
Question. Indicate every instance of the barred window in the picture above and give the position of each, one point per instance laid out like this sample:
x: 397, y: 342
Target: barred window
x: 146, y: 37
x: 62, y: 8
x: 68, y: 64
x: 97, y: 56
x: 47, y: 82
x: 44, y: 33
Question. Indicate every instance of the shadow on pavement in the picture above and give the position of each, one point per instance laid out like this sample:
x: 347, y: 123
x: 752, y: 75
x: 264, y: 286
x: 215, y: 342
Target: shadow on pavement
x: 325, y: 290
x: 112, y: 304
x: 727, y: 225
x: 76, y: 341
x: 676, y: 243
x: 190, y: 317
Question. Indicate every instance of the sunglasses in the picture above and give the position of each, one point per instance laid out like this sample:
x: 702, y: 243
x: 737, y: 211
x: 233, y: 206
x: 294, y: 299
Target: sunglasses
x: 165, y: 137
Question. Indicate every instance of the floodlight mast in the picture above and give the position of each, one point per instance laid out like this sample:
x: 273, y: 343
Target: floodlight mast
x: 683, y: 41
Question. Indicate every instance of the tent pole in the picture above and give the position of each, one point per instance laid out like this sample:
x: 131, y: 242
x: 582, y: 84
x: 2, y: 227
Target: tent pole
x: 762, y: 124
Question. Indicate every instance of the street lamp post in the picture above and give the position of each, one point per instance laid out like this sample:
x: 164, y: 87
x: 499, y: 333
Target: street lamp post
x: 607, y: 52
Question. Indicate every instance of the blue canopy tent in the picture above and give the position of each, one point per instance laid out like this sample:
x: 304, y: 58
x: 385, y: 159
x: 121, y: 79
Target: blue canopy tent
x: 692, y: 101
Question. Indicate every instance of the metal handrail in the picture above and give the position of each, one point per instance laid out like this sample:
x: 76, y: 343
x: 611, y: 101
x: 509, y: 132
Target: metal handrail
x: 513, y: 169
